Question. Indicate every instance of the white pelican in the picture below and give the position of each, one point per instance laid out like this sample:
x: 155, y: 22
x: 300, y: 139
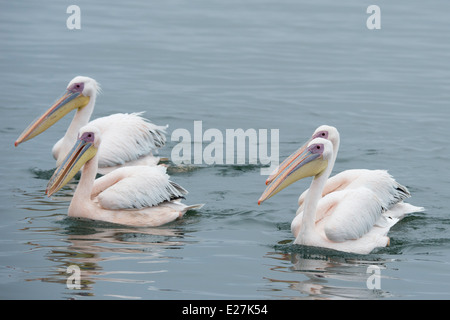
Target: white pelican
x: 133, y: 195
x: 128, y: 139
x: 385, y: 187
x: 354, y: 217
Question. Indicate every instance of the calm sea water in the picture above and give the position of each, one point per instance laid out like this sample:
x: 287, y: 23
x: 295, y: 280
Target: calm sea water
x: 289, y: 65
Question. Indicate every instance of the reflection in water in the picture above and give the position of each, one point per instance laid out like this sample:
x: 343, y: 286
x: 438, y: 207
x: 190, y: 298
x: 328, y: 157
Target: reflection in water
x: 326, y: 274
x: 91, y: 245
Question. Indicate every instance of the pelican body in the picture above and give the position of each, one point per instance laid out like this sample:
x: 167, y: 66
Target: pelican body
x: 133, y: 195
x: 128, y: 139
x: 352, y: 211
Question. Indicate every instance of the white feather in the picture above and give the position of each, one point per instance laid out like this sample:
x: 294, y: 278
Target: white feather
x: 127, y: 137
x: 137, y: 187
x: 388, y: 191
x: 354, y: 215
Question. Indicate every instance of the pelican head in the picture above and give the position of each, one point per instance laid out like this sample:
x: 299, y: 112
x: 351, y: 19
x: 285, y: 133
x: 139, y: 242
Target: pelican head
x: 84, y: 150
x: 78, y: 94
x: 325, y: 132
x: 309, y: 161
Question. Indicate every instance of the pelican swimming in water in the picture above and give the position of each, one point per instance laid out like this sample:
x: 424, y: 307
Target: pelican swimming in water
x: 352, y: 212
x: 133, y: 195
x: 128, y: 139
x: 380, y: 182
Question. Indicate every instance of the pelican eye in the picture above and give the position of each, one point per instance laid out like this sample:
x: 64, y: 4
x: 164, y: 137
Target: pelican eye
x: 321, y: 134
x: 316, y: 148
x: 88, y: 137
x: 77, y: 87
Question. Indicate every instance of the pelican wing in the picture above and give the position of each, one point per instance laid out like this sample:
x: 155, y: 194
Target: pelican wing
x: 355, y: 213
x: 136, y: 187
x: 389, y: 191
x: 127, y: 137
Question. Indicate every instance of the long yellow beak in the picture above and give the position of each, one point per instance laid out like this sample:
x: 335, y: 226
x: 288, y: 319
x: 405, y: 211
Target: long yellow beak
x: 305, y: 162
x: 69, y: 101
x: 287, y: 162
x: 81, y: 153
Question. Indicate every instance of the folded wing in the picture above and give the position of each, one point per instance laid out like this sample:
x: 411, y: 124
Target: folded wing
x: 127, y: 137
x: 136, y: 187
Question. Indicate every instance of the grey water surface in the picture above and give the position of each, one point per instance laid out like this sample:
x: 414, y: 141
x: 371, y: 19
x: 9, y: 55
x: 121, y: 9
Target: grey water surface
x: 290, y: 65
